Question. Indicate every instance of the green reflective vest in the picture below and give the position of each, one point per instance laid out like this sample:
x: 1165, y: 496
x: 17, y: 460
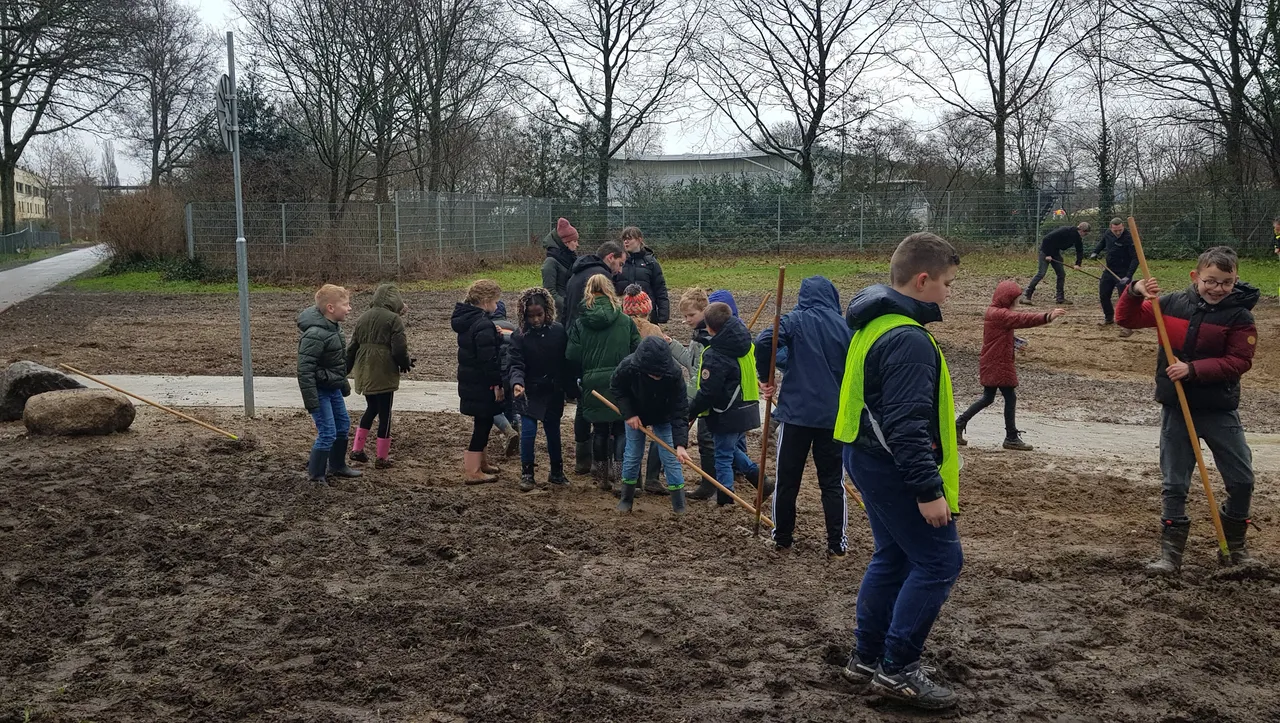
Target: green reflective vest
x: 852, y: 402
x: 750, y: 385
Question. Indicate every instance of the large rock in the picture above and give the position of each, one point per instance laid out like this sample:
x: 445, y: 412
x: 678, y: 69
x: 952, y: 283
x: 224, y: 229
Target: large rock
x: 23, y: 380
x: 78, y: 411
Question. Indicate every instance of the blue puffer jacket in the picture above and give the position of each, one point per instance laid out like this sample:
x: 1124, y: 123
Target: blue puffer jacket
x: 901, y: 389
x: 816, y: 337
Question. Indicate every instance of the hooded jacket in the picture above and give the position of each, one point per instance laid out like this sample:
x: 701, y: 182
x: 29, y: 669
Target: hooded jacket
x: 642, y: 268
x: 584, y: 268
x: 720, y: 390
x: 900, y: 387
x: 479, y: 368
x: 1216, y: 340
x: 724, y: 297
x: 379, y: 349
x: 601, y: 337
x: 557, y: 268
x: 815, y: 338
x: 996, y: 367
x: 538, y: 361
x: 1121, y: 256
x: 322, y: 358
x: 655, y: 401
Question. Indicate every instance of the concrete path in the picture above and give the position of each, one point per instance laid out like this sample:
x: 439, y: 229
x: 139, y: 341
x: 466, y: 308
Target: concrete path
x: 18, y: 285
x: 1091, y: 443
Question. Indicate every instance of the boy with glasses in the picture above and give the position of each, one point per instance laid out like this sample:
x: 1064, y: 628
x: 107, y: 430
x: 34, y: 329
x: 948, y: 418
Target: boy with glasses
x: 1211, y: 329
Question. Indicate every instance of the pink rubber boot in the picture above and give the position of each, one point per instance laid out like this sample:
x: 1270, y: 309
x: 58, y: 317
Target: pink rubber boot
x: 357, y: 447
x: 384, y: 452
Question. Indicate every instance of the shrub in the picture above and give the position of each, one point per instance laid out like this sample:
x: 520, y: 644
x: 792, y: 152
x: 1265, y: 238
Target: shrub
x: 143, y: 226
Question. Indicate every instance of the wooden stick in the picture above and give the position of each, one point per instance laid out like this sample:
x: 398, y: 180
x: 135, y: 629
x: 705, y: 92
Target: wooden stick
x: 756, y: 316
x: 157, y: 405
x: 1081, y: 270
x: 1182, y: 394
x: 768, y: 408
x: 854, y: 494
x: 695, y: 467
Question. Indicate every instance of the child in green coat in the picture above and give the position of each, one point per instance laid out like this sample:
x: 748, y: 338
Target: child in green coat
x: 322, y: 379
x: 377, y: 356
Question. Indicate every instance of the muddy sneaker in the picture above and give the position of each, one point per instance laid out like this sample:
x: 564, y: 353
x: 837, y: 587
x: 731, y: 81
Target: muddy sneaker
x: 1026, y: 299
x: 837, y: 555
x: 1015, y: 443
x: 527, y: 483
x: 1063, y: 300
x: 1126, y: 333
x: 1106, y: 322
x: 913, y: 686
x: 960, y: 440
x: 858, y: 670
x: 557, y: 478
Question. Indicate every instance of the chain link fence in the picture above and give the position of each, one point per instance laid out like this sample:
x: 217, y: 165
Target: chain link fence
x: 423, y: 230
x: 27, y: 239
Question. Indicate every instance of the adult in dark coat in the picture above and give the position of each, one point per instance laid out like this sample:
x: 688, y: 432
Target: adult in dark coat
x: 562, y: 251
x: 1051, y: 248
x: 1122, y: 262
x: 641, y: 267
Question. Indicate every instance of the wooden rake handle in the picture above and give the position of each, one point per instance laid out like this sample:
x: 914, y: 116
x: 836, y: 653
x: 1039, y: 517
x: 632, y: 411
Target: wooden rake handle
x: 648, y: 433
x: 157, y: 405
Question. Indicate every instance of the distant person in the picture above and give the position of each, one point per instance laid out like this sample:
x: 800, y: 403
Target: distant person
x: 641, y: 267
x: 562, y: 251
x: 1051, y: 248
x: 607, y: 260
x: 322, y: 379
x: 479, y: 373
x: 1122, y: 261
x: 1211, y: 326
x: 377, y: 356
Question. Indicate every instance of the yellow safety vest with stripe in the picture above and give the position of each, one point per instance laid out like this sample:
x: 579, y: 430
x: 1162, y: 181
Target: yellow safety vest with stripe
x: 853, y: 401
x: 749, y: 386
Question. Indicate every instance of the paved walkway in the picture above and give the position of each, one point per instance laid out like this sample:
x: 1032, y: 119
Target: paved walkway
x: 1091, y: 444
x: 18, y: 285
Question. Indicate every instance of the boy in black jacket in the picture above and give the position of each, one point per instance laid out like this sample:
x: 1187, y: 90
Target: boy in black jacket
x: 728, y: 394
x: 538, y: 381
x: 649, y: 389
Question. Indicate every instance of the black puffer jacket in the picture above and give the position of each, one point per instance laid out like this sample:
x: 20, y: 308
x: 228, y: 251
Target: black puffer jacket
x: 557, y: 268
x: 322, y: 357
x: 720, y: 383
x: 655, y: 401
x: 479, y: 370
x: 1120, y: 256
x: 643, y: 268
x: 538, y: 363
x: 584, y: 268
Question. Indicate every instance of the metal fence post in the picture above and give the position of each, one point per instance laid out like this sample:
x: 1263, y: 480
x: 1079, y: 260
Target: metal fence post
x: 502, y: 222
x: 947, y: 222
x: 475, y: 245
x: 699, y: 224
x: 191, y: 236
x: 439, y: 227
x: 378, y: 209
x: 862, y: 218
x: 1039, y: 213
x: 779, y: 221
x: 284, y: 235
x: 397, y: 231
x: 528, y: 219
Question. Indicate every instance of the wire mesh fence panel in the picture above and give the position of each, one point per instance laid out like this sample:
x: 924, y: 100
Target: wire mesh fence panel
x: 27, y: 239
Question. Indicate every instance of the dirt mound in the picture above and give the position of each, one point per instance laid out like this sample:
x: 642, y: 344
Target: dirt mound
x: 145, y: 576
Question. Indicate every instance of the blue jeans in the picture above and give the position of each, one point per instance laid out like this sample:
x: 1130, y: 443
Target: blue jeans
x: 634, y: 452
x: 331, y: 419
x: 911, y: 571
x: 731, y: 456
x: 529, y: 433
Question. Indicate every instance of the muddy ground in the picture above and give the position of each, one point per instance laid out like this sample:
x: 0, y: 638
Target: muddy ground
x: 1071, y: 369
x: 165, y: 575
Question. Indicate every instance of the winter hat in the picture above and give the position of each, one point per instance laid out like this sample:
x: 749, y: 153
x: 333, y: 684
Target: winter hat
x: 724, y: 297
x: 636, y: 302
x: 566, y: 231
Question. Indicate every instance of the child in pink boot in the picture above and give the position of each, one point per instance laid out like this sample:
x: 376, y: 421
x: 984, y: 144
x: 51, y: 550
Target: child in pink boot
x: 377, y: 356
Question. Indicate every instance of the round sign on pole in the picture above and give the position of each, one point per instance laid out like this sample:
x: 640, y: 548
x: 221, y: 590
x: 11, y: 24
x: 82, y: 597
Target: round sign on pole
x: 222, y: 104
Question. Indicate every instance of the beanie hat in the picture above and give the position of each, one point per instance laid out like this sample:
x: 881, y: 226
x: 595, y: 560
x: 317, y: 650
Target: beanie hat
x: 636, y: 302
x: 724, y: 297
x: 566, y: 231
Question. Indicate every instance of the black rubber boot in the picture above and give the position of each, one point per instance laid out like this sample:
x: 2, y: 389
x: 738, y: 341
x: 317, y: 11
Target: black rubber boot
x: 704, y: 491
x: 557, y: 477
x: 768, y: 484
x: 628, y: 496
x: 1173, y: 540
x: 653, y: 481
x: 960, y: 440
x: 527, y: 484
x: 1237, y: 552
x: 338, y: 460
x: 316, y: 465
x: 582, y: 461
x: 677, y: 501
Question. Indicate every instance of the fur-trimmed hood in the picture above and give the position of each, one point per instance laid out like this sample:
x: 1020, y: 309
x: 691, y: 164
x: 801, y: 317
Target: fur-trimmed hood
x: 522, y: 303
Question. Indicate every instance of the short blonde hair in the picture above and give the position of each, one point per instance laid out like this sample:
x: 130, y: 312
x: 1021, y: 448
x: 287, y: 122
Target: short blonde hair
x: 482, y: 290
x: 598, y: 287
x: 694, y: 299
x: 330, y: 294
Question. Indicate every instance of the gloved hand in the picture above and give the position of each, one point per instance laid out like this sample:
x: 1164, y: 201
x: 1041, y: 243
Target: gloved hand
x: 1124, y: 283
x: 346, y: 388
x: 1093, y: 256
x: 406, y: 369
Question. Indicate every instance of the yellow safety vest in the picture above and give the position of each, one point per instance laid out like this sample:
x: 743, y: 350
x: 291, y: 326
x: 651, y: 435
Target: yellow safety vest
x: 853, y: 401
x: 749, y: 385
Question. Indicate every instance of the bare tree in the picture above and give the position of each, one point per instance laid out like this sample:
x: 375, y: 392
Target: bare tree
x: 803, y: 59
x: 1015, y: 48
x: 1030, y: 129
x: 59, y: 66
x: 110, y: 173
x: 69, y: 170
x: 612, y: 67
x: 170, y: 100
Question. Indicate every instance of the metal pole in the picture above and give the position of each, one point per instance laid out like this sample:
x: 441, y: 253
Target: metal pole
x: 948, y: 221
x: 528, y: 219
x: 475, y: 246
x: 242, y: 255
x: 439, y: 228
x: 397, y: 232
x: 284, y: 235
x: 502, y: 222
x: 1038, y: 213
x: 862, y: 218
x: 779, y: 221
x: 379, y: 210
x: 191, y: 236
x: 699, y: 224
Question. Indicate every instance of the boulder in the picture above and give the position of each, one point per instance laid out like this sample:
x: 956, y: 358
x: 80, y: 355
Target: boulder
x: 78, y: 411
x: 23, y: 380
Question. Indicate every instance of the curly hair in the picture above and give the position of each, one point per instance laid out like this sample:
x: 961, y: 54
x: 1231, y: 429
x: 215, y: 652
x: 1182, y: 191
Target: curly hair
x: 483, y: 290
x: 535, y: 296
x: 694, y: 299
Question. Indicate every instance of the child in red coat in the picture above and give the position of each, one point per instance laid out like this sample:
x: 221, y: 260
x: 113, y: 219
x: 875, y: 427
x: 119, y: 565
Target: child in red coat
x: 996, y: 369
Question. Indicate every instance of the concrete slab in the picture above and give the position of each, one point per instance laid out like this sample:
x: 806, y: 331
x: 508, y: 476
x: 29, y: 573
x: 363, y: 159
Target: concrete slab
x: 18, y: 285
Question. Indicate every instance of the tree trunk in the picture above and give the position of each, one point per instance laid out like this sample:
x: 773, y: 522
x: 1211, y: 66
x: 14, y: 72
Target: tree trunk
x: 999, y: 128
x: 8, y: 170
x: 1106, y: 177
x: 806, y: 171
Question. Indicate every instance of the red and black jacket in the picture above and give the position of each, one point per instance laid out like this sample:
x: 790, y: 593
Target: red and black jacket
x: 1216, y: 340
